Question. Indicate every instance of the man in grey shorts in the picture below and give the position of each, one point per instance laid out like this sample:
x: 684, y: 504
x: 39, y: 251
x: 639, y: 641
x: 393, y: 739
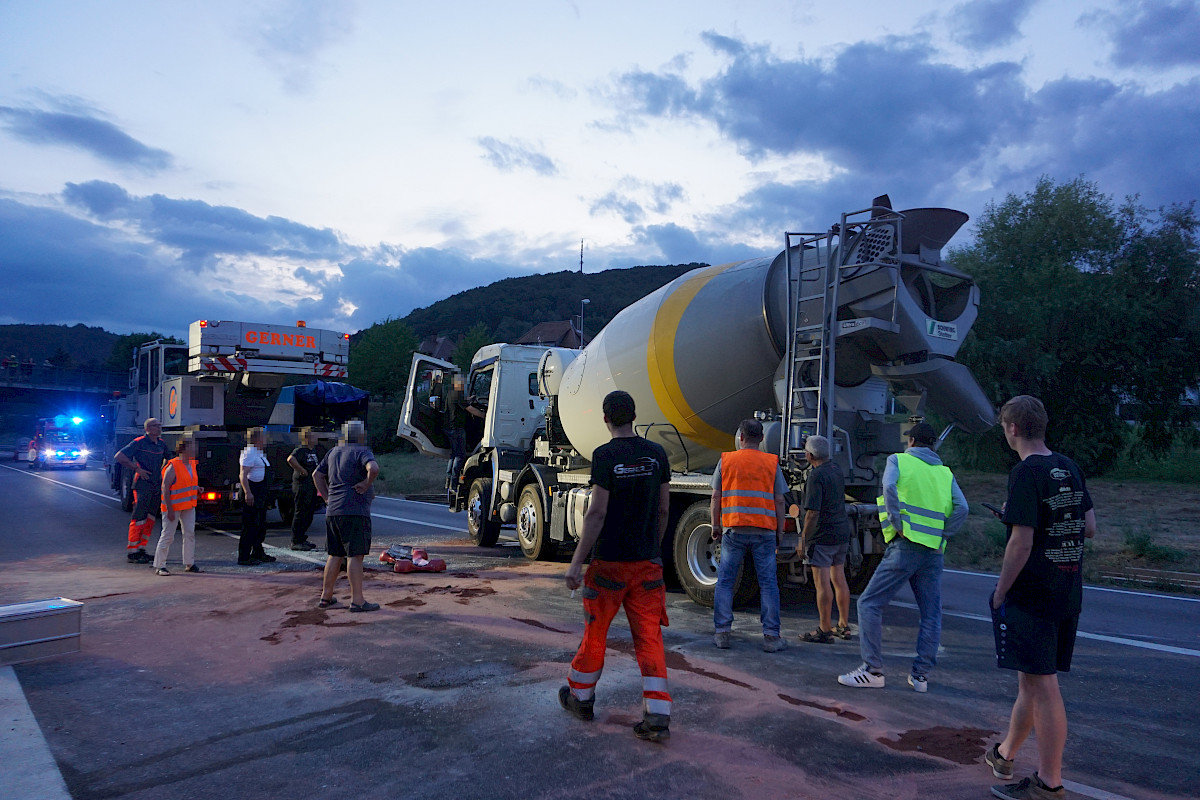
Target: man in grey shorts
x: 825, y: 538
x: 344, y: 478
x: 921, y: 508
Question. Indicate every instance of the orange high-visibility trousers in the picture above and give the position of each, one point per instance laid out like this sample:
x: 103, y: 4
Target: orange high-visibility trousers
x: 145, y: 509
x: 638, y: 586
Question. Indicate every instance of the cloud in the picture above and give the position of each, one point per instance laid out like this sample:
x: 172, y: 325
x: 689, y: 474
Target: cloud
x: 515, y: 155
x: 292, y: 35
x: 886, y: 116
x: 984, y: 24
x: 633, y: 197
x: 98, y: 137
x: 1152, y: 33
x: 130, y: 262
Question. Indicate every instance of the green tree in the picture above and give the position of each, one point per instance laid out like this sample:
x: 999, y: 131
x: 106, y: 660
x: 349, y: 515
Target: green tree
x: 1080, y: 306
x: 121, y: 357
x: 477, y: 337
x: 380, y: 358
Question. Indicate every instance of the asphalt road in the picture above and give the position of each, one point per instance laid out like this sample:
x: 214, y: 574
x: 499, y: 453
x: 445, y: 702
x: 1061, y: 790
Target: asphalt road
x: 232, y: 684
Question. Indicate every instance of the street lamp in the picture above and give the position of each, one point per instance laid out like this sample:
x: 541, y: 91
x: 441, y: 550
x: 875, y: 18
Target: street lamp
x: 582, y: 303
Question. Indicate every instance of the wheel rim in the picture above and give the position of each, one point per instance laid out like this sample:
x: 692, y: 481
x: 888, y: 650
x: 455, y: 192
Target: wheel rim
x: 527, y: 525
x: 475, y: 512
x: 703, y: 554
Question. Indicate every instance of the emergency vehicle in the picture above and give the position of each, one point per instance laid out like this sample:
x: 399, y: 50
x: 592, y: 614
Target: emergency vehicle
x: 60, y: 442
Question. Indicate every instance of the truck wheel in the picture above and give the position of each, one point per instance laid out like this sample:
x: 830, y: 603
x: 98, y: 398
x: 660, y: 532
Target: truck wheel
x: 696, y: 556
x: 126, y: 491
x: 482, y: 530
x: 533, y: 529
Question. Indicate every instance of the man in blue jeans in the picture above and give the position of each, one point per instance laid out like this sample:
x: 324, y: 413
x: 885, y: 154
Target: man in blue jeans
x: 921, y: 508
x: 747, y: 513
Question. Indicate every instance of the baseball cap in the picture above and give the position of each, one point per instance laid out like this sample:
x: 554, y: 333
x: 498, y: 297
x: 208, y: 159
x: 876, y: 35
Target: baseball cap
x: 922, y: 433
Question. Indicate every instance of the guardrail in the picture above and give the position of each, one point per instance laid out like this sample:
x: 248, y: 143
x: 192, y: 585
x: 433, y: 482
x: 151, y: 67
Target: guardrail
x: 34, y: 376
x: 1153, y: 577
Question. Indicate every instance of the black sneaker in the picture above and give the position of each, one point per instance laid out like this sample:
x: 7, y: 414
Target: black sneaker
x: 583, y: 709
x: 266, y: 559
x: 192, y: 568
x: 653, y: 728
x: 304, y: 546
x: 141, y: 557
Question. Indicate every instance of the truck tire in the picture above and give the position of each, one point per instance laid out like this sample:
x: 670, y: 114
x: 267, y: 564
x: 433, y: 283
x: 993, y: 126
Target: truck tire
x: 481, y: 528
x: 696, y: 556
x: 533, y: 529
x: 126, y: 490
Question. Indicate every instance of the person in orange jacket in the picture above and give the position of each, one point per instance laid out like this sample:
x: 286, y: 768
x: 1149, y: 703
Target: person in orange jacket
x: 625, y: 522
x: 180, y: 496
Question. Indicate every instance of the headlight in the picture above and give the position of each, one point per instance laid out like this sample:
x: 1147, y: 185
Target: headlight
x: 48, y: 453
x: 83, y: 453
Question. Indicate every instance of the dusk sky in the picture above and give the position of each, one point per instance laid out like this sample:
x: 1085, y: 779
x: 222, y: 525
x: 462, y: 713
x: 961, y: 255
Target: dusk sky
x: 346, y: 162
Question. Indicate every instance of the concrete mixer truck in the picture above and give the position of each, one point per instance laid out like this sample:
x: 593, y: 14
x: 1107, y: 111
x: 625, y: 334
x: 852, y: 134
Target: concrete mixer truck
x: 840, y: 334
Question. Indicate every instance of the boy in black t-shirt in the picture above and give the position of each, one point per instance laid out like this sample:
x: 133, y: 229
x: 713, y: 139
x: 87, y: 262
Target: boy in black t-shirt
x: 625, y: 522
x: 304, y: 461
x: 1038, y: 597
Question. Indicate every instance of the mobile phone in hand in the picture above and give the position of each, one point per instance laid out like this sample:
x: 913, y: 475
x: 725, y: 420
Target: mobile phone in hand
x: 994, y: 509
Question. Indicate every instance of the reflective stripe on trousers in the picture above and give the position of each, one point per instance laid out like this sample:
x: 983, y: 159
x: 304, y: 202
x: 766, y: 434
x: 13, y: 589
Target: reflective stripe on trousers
x: 638, y: 587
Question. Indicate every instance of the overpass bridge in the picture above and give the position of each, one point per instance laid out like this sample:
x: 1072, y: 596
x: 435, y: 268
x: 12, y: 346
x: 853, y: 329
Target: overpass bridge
x: 29, y: 391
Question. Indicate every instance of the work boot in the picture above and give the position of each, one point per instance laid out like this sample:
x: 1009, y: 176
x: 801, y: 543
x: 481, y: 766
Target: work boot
x: 140, y: 557
x: 653, y: 728
x: 773, y: 644
x: 721, y: 640
x: 580, y: 708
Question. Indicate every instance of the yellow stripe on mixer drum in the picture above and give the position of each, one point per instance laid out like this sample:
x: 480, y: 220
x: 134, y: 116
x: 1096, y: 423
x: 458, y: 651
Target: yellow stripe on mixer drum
x: 660, y: 358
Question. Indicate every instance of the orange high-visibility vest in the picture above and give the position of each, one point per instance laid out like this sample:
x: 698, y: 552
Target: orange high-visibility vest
x: 185, y: 492
x: 748, y: 489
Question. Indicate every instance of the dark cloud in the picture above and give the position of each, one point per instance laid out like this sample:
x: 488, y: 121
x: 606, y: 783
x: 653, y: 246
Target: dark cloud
x: 984, y: 24
x: 626, y: 204
x: 96, y: 136
x: 887, y: 117
x: 139, y: 263
x: 1153, y: 33
x: 510, y: 156
x: 678, y: 245
x: 623, y: 206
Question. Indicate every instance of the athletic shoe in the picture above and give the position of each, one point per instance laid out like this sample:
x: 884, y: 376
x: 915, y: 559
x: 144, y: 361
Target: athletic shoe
x: 266, y: 559
x: 721, y: 640
x: 918, y: 683
x: 162, y: 571
x: 863, y: 677
x: 304, y: 546
x: 583, y: 709
x: 192, y: 568
x: 1030, y: 788
x: 773, y: 644
x: 1001, y: 767
x: 653, y: 728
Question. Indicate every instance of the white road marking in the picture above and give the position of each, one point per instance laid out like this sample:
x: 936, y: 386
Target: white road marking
x: 456, y: 528
x: 1087, y: 588
x: 1091, y: 791
x: 1099, y: 637
x: 60, y: 483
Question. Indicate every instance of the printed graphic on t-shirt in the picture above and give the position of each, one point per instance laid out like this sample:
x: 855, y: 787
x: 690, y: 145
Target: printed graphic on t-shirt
x: 643, y: 467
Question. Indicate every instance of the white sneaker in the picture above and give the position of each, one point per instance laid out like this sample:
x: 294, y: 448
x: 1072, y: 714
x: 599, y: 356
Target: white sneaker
x: 918, y: 683
x: 862, y: 677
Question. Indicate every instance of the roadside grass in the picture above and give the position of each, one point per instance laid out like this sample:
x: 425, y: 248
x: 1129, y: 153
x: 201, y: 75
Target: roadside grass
x: 402, y: 474
x: 1142, y: 524
x: 1180, y: 465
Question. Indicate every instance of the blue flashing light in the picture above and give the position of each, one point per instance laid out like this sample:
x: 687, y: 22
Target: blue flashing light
x: 77, y: 420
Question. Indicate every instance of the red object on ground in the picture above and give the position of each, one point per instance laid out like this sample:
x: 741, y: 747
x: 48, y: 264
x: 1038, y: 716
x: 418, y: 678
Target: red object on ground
x: 404, y: 565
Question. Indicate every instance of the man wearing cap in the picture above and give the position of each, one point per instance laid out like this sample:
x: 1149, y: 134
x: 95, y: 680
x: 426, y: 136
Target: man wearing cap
x: 921, y: 508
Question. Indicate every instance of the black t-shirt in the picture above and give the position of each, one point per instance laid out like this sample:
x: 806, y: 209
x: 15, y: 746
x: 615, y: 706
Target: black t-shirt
x: 309, y: 459
x: 633, y: 471
x: 825, y: 493
x: 150, y: 456
x: 1048, y: 494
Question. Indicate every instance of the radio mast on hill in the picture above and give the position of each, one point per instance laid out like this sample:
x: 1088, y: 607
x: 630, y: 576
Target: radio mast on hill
x: 581, y: 256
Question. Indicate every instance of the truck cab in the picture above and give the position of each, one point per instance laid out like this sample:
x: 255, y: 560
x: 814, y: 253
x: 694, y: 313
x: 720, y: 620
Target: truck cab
x: 503, y: 385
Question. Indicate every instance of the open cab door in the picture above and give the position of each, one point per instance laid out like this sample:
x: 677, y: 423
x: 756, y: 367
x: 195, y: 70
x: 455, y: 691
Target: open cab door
x: 423, y: 418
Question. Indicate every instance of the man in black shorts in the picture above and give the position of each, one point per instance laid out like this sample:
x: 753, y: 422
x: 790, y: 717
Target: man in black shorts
x: 344, y: 479
x: 825, y: 540
x: 1037, y: 600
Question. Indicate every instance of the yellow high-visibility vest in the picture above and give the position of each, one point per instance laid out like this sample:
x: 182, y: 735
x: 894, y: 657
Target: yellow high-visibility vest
x: 925, y: 502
